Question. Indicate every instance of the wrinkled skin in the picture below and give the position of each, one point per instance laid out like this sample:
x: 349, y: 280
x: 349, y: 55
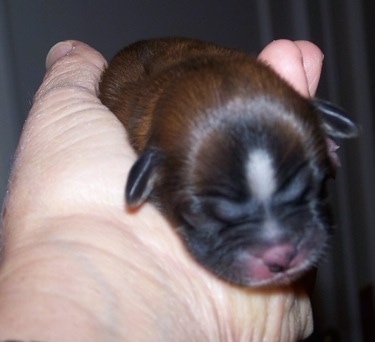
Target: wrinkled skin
x: 77, y: 267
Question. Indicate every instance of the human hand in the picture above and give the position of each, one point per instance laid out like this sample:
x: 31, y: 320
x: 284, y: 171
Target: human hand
x: 77, y: 267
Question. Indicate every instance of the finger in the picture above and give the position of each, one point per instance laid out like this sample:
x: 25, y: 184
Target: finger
x: 61, y: 63
x: 65, y: 48
x: 57, y: 51
x: 312, y: 58
x: 297, y: 62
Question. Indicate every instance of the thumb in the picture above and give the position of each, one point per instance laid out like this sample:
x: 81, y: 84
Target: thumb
x: 73, y: 150
x: 69, y: 55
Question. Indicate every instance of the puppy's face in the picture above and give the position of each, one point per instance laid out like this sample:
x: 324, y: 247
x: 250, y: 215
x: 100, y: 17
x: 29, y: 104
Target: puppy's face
x: 252, y: 204
x: 244, y: 182
x: 247, y: 194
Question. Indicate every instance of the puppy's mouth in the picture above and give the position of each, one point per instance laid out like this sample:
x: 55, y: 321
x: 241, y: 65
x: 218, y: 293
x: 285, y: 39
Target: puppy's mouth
x: 265, y: 263
x: 276, y: 265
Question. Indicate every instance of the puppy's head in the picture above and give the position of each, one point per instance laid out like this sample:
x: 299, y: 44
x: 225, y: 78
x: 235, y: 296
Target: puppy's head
x: 244, y: 179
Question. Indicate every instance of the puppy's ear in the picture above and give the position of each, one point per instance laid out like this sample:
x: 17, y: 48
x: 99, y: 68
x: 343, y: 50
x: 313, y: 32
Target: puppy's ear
x: 336, y: 122
x: 142, y: 177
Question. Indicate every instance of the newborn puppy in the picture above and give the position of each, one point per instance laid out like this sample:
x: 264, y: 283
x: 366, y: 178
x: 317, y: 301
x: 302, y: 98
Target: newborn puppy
x: 231, y: 154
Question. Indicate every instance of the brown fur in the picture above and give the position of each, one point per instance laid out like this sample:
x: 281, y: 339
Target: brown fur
x: 142, y: 74
x: 194, y: 112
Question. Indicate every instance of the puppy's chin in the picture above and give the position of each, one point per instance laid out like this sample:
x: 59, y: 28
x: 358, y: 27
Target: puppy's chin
x: 265, y: 263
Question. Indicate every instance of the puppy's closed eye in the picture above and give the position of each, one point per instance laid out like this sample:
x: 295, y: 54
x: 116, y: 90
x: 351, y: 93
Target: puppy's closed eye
x: 297, y: 188
x: 229, y: 211
x: 234, y: 157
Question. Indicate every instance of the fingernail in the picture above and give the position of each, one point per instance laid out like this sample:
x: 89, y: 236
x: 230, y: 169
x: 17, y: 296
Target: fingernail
x: 57, y: 51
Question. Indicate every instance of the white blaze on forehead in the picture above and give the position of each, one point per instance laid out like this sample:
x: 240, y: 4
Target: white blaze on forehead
x: 261, y: 174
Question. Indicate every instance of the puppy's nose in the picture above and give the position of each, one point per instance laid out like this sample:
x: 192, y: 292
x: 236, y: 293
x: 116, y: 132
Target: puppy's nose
x: 278, y: 258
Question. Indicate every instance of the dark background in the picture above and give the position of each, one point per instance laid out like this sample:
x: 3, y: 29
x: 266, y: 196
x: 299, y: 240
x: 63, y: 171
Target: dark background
x: 344, y: 30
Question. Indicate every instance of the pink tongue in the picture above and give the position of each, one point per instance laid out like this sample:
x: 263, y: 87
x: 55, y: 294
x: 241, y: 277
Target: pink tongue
x: 332, y: 148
